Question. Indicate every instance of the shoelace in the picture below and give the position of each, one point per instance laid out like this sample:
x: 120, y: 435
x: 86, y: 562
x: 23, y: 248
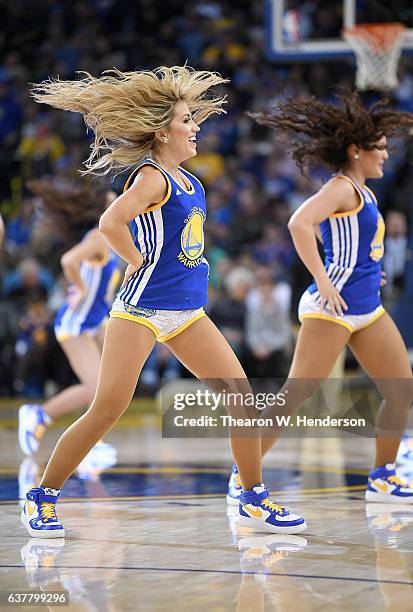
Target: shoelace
x: 268, y: 503
x: 47, y: 511
x: 397, y: 481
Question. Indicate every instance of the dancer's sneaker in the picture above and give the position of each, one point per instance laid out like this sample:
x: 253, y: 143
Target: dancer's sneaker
x: 259, y: 512
x: 33, y: 422
x: 39, y: 513
x: 234, y: 487
x: 384, y: 486
x: 405, y: 454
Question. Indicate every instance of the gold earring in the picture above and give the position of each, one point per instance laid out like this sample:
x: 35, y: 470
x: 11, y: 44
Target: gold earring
x: 356, y: 156
x: 165, y: 138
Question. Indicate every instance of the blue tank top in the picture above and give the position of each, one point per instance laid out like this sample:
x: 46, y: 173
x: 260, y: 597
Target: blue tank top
x: 101, y: 280
x: 170, y: 236
x: 354, y: 247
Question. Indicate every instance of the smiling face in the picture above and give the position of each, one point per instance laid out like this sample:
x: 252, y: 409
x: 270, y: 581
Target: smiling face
x: 179, y: 137
x: 370, y: 162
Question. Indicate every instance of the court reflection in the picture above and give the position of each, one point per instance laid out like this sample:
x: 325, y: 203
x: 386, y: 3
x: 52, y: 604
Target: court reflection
x: 88, y: 568
x: 392, y: 529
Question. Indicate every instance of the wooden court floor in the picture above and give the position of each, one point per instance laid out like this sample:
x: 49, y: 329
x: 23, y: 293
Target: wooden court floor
x: 153, y: 532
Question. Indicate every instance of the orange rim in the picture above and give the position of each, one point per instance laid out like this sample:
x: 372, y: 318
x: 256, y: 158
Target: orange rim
x: 383, y: 35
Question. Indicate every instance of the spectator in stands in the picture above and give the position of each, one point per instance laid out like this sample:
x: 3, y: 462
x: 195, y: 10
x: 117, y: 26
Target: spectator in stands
x: 268, y: 329
x: 19, y: 229
x: 10, y: 124
x: 395, y: 250
x: 40, y: 148
x: 275, y: 182
x: 28, y: 280
x: 247, y: 223
x: 208, y: 164
x: 228, y: 311
x: 303, y: 189
x: 274, y: 248
x: 33, y: 347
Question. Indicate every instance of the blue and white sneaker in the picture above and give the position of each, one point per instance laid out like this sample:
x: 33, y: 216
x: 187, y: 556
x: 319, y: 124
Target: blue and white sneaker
x: 385, y: 487
x: 258, y: 511
x: 405, y: 454
x: 39, y: 513
x: 33, y: 422
x: 234, y: 487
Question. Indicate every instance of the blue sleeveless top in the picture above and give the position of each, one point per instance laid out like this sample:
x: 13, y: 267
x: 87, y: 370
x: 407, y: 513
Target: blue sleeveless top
x: 170, y: 236
x: 101, y: 279
x: 354, y: 247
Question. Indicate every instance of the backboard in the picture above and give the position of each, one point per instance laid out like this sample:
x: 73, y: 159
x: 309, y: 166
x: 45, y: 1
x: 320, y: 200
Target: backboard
x: 307, y: 30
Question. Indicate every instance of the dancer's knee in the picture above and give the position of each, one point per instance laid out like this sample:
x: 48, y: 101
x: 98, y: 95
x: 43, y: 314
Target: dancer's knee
x: 105, y: 414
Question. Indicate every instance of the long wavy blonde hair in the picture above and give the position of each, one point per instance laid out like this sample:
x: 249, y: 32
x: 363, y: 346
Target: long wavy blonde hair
x: 124, y: 109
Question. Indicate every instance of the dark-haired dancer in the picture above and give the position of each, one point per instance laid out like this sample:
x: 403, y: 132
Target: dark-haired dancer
x: 149, y: 121
x: 342, y: 306
x: 71, y: 210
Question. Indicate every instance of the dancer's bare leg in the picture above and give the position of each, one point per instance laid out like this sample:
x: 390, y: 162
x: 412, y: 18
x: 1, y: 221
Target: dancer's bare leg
x: 382, y: 354
x: 99, y: 337
x: 126, y: 348
x: 318, y: 346
x: 206, y: 353
x: 84, y: 354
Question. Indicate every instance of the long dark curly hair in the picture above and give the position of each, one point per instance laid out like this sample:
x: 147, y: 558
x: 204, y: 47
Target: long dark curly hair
x: 69, y: 208
x: 322, y: 132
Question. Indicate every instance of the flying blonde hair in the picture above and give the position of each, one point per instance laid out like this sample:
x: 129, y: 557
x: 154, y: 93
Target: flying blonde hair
x: 125, y: 108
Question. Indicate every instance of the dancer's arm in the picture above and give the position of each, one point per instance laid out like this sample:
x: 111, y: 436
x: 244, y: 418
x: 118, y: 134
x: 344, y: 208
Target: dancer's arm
x: 148, y: 188
x: 334, y: 196
x: 93, y: 247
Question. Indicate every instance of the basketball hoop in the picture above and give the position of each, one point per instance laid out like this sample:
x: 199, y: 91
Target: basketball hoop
x: 377, y: 47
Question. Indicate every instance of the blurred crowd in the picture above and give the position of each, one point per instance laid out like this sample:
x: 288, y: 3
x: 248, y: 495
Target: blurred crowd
x: 252, y: 184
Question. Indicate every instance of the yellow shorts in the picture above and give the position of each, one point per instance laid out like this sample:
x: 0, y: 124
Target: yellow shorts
x: 165, y: 324
x: 308, y: 308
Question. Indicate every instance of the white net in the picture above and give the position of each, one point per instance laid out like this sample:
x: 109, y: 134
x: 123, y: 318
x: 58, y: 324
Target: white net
x: 377, y: 48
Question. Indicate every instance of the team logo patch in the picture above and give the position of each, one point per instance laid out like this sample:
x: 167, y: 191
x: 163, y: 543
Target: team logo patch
x: 192, y: 239
x: 139, y: 312
x: 377, y: 244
